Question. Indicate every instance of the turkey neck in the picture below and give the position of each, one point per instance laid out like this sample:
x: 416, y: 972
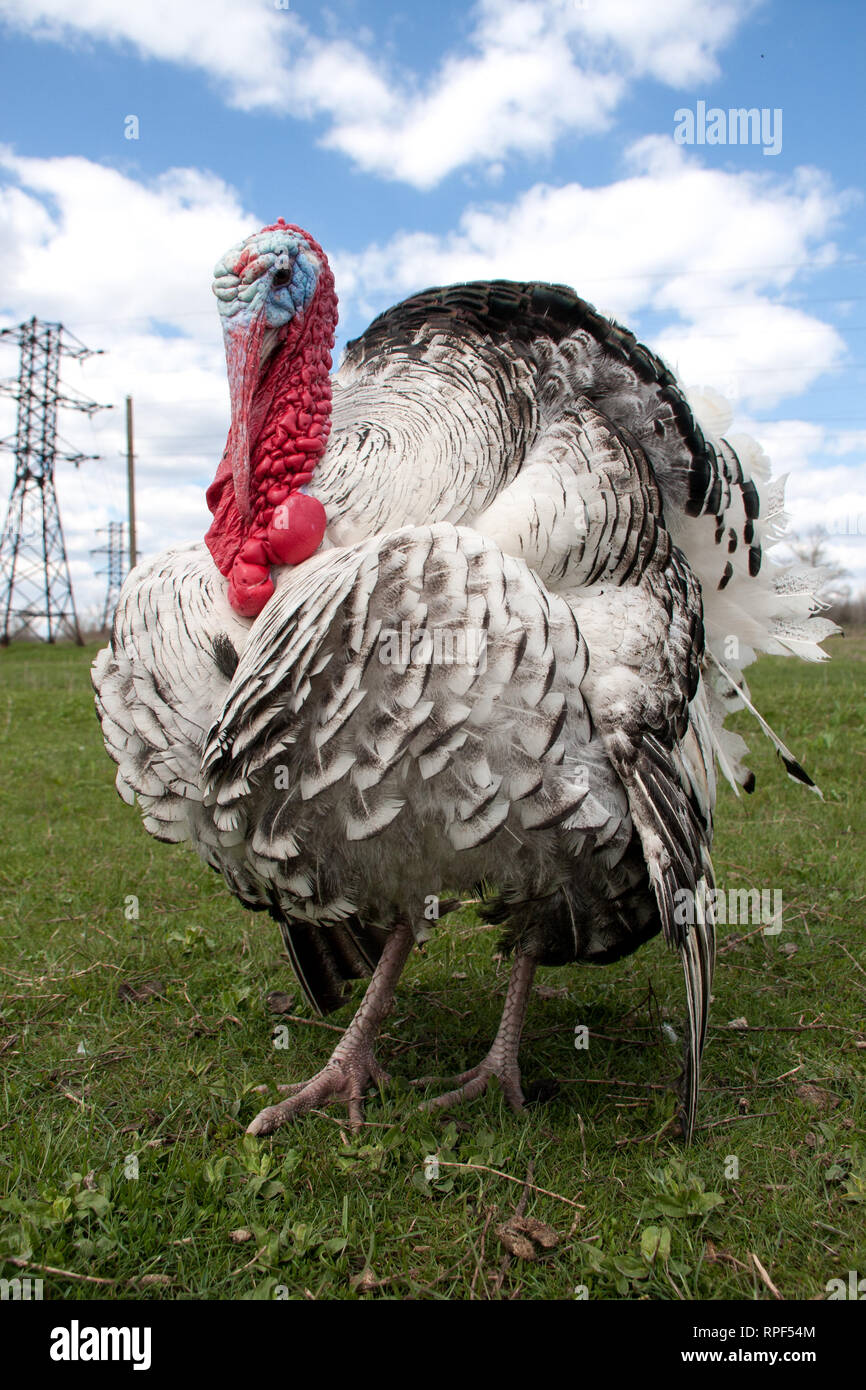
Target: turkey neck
x: 290, y: 418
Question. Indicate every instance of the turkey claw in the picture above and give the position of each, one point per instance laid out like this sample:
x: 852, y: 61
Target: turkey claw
x: 346, y: 1080
x: 475, y: 1082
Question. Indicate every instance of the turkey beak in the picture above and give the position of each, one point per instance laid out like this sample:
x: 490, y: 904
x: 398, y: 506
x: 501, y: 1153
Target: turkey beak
x: 271, y: 338
x: 244, y: 360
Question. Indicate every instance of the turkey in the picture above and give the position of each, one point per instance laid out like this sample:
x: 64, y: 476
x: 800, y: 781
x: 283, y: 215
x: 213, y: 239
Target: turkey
x: 471, y: 611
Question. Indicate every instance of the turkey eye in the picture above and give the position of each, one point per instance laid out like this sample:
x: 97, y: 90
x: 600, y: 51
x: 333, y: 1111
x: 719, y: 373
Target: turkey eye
x: 282, y: 278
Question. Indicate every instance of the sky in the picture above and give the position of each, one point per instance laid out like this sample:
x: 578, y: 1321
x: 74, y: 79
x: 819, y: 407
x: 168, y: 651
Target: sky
x: 585, y: 142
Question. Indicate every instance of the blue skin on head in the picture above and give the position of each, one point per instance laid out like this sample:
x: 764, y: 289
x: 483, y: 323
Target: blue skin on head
x: 263, y: 257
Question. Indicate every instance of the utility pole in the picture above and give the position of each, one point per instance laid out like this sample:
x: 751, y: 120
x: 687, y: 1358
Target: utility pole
x: 36, y: 597
x: 130, y: 483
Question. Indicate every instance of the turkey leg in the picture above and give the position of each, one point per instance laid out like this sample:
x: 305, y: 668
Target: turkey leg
x: 501, y: 1060
x: 352, y: 1065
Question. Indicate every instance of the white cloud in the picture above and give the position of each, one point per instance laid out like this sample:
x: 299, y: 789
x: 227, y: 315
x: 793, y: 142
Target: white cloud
x: 241, y: 45
x: 710, y: 250
x: 755, y: 351
x: 821, y: 491
x: 119, y: 249
x: 675, y: 42
x: 529, y: 71
x: 481, y: 107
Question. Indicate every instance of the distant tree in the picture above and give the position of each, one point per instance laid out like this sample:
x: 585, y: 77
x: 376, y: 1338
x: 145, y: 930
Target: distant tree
x: 811, y: 549
x: 844, y: 607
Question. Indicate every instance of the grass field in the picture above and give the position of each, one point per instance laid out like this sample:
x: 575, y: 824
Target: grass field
x: 131, y: 1047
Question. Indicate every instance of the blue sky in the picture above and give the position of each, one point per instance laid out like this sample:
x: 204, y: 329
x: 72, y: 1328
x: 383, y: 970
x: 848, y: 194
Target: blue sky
x: 425, y: 144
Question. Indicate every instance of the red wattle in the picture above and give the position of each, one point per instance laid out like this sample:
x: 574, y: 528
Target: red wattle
x: 250, y: 587
x: 297, y: 528
x: 253, y: 552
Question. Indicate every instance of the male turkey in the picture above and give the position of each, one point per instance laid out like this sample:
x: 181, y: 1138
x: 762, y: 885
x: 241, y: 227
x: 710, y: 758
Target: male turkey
x: 471, y: 611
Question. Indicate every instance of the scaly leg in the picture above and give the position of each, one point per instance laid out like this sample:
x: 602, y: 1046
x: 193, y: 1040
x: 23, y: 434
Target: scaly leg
x: 352, y: 1065
x: 501, y: 1060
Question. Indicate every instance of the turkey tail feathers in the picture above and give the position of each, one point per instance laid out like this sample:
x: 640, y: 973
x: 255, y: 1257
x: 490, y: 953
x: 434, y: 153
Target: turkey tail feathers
x: 697, y: 952
x: 794, y: 769
x: 325, y: 957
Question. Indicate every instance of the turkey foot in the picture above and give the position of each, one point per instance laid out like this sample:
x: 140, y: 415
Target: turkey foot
x: 352, y: 1065
x: 501, y: 1060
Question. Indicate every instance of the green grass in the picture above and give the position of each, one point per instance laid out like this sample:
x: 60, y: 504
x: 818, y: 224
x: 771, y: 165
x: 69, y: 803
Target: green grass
x: 95, y: 1083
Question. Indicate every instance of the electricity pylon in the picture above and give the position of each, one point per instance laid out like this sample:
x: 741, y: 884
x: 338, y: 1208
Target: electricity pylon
x: 36, y: 597
x: 115, y: 569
